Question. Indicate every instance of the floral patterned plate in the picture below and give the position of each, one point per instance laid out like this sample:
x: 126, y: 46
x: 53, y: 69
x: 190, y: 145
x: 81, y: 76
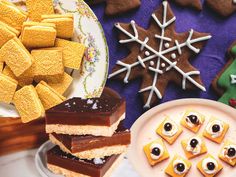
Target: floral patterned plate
x: 91, y: 79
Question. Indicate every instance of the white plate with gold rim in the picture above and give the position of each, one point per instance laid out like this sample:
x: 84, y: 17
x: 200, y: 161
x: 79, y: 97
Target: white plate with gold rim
x: 91, y: 79
x: 143, y: 132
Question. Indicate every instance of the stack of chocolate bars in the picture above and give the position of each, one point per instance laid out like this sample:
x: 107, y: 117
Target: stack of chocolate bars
x: 89, y: 136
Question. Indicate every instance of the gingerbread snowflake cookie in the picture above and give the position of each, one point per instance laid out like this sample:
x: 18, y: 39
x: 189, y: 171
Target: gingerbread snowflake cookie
x: 196, y: 4
x: 225, y: 82
x: 223, y: 7
x: 115, y: 7
x: 159, y: 55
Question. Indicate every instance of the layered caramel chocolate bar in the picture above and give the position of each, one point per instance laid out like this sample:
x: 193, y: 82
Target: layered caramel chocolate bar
x: 96, y: 116
x: 60, y: 162
x: 90, y: 147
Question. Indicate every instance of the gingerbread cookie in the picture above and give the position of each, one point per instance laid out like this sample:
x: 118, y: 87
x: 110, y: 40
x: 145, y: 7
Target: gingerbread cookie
x: 115, y: 7
x: 222, y: 7
x: 196, y: 4
x: 159, y: 55
x: 225, y: 82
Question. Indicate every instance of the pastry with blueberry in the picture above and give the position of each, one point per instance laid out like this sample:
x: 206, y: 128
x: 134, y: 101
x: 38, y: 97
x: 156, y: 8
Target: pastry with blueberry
x: 178, y: 167
x: 216, y: 130
x: 192, y: 120
x: 169, y: 130
x: 156, y: 152
x: 209, y: 166
x: 194, y: 147
x: 228, y: 153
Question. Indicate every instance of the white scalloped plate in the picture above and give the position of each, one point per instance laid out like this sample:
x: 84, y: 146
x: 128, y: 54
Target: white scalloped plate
x: 91, y: 79
x: 143, y: 132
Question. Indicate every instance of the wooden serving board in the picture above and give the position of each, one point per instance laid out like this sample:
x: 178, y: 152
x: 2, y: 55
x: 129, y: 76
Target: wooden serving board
x: 16, y: 136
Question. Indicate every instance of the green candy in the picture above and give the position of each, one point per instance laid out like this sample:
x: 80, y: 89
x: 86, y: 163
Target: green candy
x: 234, y: 50
x: 225, y: 81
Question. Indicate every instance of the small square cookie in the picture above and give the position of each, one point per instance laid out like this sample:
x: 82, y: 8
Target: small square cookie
x: 13, y: 30
x: 62, y: 86
x: 64, y: 24
x: 228, y: 153
x: 38, y: 35
x: 28, y: 104
x: 1, y: 66
x: 25, y: 79
x: 156, y: 152
x: 48, y: 96
x: 73, y: 53
x: 178, y: 167
x: 169, y: 130
x: 37, y: 8
x: 16, y: 56
x: 209, y: 166
x: 48, y: 62
x: 194, y: 147
x: 14, y: 17
x: 192, y: 120
x: 5, y: 35
x: 7, y: 88
x: 216, y: 130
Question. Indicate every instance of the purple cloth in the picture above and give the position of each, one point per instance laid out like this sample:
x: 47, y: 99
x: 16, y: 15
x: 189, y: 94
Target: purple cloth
x: 209, y: 61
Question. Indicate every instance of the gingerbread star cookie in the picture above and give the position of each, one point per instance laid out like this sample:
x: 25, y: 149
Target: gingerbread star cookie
x: 225, y: 82
x: 222, y: 7
x: 159, y: 55
x: 116, y: 7
x: 196, y: 4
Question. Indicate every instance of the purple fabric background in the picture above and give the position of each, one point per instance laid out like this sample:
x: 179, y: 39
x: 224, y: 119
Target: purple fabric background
x: 209, y: 61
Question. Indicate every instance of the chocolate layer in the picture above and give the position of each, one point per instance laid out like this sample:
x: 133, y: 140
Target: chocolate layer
x: 81, y: 143
x: 86, y: 167
x: 95, y: 111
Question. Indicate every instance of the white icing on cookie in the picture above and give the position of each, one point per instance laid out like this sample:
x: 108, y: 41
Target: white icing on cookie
x: 163, y: 65
x: 204, y: 165
x: 173, y: 56
x: 152, y: 63
x: 233, y: 77
x: 159, y: 54
x: 167, y: 45
x: 147, y: 53
x: 210, y: 125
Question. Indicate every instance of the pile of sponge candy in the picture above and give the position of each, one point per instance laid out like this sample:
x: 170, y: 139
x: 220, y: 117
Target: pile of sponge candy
x: 35, y: 48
